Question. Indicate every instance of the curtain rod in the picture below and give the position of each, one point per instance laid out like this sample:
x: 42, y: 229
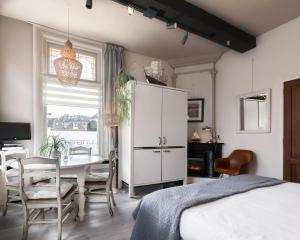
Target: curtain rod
x: 44, y: 27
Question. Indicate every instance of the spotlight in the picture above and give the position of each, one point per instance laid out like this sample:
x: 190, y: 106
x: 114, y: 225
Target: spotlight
x: 185, y: 38
x: 89, y: 4
x: 130, y: 10
x: 172, y: 25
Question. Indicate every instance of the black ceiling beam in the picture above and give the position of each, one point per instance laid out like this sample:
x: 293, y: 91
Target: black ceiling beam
x: 195, y: 20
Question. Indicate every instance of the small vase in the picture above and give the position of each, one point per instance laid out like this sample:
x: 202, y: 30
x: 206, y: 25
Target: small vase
x: 56, y: 154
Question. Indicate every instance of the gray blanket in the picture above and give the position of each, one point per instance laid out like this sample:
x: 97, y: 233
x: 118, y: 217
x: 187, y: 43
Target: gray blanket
x: 157, y: 217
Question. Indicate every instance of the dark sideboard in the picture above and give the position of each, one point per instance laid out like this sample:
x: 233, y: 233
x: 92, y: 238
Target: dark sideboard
x: 201, y: 157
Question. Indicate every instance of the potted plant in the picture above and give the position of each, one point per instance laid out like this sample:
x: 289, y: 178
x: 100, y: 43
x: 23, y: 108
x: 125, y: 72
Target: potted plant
x: 122, y: 97
x: 54, y: 146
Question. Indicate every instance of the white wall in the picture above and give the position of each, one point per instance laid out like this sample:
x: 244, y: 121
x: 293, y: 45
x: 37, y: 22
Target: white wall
x: 16, y: 71
x: 276, y: 59
x: 135, y: 64
x: 198, y: 81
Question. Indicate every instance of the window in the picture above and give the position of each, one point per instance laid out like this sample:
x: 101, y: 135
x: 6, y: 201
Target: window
x: 78, y: 125
x: 73, y: 112
x: 88, y: 60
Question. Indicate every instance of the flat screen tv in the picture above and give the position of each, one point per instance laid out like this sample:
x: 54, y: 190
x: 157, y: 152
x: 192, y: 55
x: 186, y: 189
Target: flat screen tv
x: 14, y: 131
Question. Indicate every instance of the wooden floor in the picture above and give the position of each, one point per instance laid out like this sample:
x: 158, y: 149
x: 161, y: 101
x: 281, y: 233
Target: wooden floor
x: 98, y: 223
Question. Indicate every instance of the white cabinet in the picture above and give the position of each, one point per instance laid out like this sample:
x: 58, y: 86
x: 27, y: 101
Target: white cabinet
x: 147, y: 166
x: 154, y: 139
x: 147, y: 116
x: 173, y: 168
x: 174, y: 118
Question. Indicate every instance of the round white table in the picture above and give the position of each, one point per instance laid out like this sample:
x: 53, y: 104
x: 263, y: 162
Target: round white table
x: 74, y: 165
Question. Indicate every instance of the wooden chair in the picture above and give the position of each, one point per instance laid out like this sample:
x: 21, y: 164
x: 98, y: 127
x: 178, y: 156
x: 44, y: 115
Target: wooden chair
x: 10, y: 178
x: 80, y: 150
x: 100, y: 183
x: 37, y: 198
x: 235, y: 164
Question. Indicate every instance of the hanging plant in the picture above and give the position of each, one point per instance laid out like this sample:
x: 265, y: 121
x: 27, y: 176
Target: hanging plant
x: 122, y: 97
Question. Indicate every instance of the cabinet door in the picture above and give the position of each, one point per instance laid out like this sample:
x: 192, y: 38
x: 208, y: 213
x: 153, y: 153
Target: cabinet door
x: 147, y: 166
x: 174, y: 118
x: 147, y: 120
x: 173, y: 164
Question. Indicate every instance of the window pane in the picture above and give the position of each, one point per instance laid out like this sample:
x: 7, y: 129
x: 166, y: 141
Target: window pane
x: 79, y: 126
x: 89, y: 64
x: 87, y: 59
x: 53, y: 53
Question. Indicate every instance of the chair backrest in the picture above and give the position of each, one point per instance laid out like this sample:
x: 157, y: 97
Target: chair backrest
x: 38, y: 166
x: 239, y: 157
x: 7, y: 158
x: 80, y: 150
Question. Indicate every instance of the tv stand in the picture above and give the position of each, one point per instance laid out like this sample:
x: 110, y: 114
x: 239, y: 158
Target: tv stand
x: 10, y: 144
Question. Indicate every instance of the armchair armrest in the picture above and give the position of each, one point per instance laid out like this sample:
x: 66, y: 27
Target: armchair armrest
x: 222, y: 163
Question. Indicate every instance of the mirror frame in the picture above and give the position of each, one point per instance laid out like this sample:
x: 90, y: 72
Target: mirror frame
x: 269, y: 101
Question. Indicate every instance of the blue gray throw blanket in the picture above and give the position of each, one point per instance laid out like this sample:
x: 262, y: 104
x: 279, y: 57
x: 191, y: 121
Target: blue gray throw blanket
x: 157, y: 217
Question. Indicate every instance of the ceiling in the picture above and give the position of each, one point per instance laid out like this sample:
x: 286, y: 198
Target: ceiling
x: 109, y: 22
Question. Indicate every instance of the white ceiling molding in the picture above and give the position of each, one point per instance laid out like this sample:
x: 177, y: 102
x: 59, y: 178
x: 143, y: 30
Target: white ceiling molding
x: 195, y: 60
x: 208, y: 67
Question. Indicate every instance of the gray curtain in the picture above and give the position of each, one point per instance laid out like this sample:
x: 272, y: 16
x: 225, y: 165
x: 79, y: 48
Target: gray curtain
x: 113, y: 63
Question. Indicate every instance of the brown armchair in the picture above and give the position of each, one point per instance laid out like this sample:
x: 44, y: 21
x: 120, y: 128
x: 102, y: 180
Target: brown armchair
x: 235, y: 164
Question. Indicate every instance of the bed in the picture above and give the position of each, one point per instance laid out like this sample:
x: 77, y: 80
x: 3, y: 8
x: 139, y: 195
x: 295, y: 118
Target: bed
x: 259, y: 210
x: 271, y: 213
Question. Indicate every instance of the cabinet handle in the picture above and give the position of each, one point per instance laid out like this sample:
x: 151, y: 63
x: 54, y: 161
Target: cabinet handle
x: 156, y: 151
x: 167, y: 151
x: 159, y: 141
x: 165, y: 141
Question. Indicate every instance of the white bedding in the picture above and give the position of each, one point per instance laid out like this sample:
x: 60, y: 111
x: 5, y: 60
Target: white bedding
x: 271, y: 213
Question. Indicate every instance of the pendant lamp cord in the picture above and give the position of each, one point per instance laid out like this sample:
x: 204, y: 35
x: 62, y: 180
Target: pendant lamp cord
x: 68, y: 23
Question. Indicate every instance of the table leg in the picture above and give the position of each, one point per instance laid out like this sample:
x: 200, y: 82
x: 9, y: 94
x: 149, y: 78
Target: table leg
x: 81, y: 191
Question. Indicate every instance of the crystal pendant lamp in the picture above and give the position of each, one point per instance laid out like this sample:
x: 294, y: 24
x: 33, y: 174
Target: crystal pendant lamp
x: 68, y: 69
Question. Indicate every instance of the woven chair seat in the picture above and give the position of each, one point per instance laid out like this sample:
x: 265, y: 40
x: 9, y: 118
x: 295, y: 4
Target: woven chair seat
x: 97, y: 177
x: 37, y: 193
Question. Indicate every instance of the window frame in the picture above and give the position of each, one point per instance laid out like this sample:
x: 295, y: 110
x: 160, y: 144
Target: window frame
x: 43, y: 38
x: 81, y: 44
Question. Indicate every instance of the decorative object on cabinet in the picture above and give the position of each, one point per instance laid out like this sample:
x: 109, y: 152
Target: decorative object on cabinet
x: 254, y: 112
x: 155, y: 73
x: 154, y: 81
x: 195, y: 137
x: 196, y: 109
x: 209, y: 135
x: 153, y: 149
x: 201, y: 158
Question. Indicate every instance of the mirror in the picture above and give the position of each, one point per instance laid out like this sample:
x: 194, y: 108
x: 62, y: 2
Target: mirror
x: 254, y: 112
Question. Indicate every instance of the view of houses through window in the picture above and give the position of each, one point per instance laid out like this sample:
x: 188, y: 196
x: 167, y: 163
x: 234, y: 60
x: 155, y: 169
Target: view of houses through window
x: 77, y: 125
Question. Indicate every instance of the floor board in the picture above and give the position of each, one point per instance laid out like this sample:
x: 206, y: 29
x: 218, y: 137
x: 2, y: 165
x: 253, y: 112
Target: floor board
x: 98, y: 223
